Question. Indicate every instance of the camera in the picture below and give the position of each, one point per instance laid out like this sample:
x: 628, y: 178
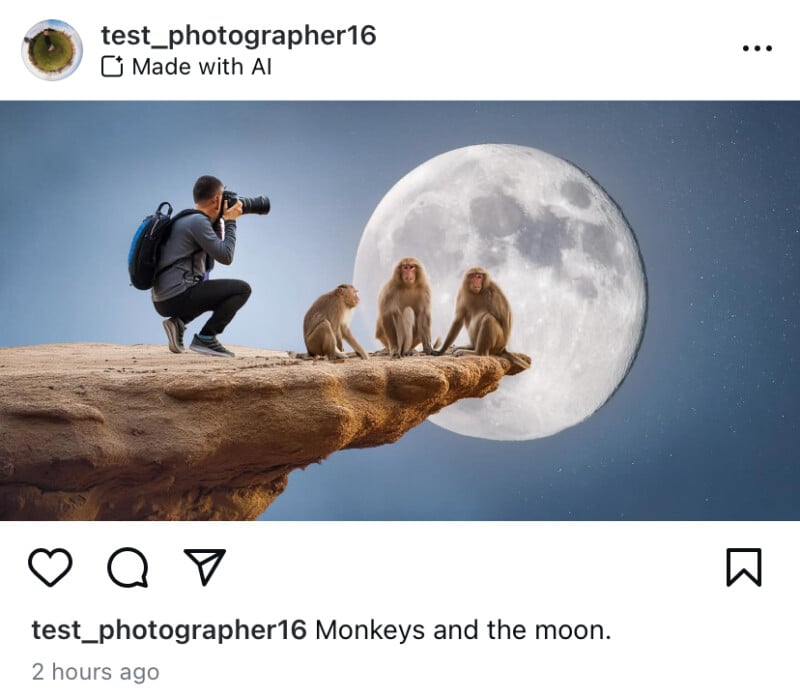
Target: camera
x: 257, y: 204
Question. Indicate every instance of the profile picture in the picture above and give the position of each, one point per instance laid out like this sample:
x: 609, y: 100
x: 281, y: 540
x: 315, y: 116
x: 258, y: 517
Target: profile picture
x: 52, y: 50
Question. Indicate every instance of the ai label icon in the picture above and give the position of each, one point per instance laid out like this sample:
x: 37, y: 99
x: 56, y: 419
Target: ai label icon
x: 207, y: 561
x: 111, y: 67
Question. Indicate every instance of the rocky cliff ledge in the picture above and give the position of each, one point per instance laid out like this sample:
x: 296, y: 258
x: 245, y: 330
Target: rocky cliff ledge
x: 101, y: 431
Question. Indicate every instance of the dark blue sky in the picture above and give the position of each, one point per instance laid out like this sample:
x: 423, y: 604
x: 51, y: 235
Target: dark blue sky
x: 706, y: 425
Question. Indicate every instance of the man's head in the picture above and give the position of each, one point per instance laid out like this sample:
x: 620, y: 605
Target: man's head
x: 207, y: 194
x: 206, y: 188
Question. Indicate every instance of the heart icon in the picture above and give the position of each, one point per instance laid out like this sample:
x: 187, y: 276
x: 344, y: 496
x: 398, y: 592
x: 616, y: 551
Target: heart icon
x: 51, y: 566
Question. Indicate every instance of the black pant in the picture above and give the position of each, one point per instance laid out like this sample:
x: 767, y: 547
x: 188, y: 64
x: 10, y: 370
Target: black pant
x: 223, y: 296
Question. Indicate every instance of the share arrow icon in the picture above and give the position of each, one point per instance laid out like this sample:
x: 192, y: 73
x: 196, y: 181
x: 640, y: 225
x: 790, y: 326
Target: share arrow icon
x: 207, y: 561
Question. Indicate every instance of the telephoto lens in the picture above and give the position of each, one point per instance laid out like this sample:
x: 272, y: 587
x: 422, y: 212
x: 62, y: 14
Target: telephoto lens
x: 257, y: 204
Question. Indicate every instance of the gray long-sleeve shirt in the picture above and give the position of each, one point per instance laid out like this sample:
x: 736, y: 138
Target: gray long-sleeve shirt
x: 191, y: 239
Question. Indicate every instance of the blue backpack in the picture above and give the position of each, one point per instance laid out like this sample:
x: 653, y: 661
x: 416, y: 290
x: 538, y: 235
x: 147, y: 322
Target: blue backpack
x: 146, y: 246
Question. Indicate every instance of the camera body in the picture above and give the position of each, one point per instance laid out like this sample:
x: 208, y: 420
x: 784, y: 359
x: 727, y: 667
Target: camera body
x: 257, y: 204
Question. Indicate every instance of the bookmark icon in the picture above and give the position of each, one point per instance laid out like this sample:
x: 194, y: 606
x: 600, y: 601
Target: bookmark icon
x: 743, y: 563
x: 207, y: 561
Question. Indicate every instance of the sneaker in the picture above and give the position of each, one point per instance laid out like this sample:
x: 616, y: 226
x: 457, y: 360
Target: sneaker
x: 174, y: 328
x: 209, y: 346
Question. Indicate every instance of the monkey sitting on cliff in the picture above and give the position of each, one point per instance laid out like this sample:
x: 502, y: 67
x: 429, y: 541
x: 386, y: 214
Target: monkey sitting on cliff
x: 483, y: 308
x: 327, y: 323
x: 404, y: 310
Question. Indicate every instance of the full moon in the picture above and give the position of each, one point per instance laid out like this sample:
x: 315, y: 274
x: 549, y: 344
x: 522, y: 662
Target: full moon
x: 560, y: 249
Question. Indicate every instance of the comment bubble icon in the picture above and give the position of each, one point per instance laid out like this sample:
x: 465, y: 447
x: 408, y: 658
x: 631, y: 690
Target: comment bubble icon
x: 127, y: 568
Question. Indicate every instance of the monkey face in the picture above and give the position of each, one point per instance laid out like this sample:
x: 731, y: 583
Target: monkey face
x: 408, y: 273
x: 349, y: 295
x: 475, y: 280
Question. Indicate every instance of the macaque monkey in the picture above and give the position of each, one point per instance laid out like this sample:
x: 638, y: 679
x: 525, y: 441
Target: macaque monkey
x: 327, y: 322
x: 404, y: 310
x: 482, y: 307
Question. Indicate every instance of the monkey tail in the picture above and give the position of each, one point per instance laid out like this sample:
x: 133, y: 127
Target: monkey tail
x: 522, y: 362
x: 437, y: 343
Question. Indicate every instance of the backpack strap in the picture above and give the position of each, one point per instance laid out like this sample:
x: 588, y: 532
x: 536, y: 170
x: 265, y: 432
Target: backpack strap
x: 180, y: 214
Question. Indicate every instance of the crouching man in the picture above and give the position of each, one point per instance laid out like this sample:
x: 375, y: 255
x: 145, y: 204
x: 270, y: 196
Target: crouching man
x: 182, y: 290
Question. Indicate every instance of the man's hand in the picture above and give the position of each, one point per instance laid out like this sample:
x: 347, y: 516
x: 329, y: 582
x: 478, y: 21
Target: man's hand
x: 232, y: 213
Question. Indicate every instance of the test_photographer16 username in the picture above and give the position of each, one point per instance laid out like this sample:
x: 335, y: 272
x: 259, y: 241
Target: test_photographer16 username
x: 251, y: 39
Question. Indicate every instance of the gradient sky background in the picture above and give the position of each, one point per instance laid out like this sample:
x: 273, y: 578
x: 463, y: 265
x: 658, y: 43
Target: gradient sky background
x: 706, y: 425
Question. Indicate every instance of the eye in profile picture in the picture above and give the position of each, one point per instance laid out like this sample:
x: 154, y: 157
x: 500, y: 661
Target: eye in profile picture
x: 52, y: 50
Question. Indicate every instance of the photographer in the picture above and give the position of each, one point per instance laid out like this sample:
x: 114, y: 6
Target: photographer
x: 182, y: 290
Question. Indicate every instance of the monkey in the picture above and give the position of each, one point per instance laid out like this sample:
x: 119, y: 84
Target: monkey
x: 327, y: 322
x: 404, y: 310
x: 483, y: 308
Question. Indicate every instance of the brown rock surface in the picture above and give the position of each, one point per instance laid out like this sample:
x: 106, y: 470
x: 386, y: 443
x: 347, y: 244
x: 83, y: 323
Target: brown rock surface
x: 102, y: 431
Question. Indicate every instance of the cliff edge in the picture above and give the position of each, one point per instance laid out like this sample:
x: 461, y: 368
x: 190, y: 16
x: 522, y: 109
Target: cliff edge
x: 101, y: 431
